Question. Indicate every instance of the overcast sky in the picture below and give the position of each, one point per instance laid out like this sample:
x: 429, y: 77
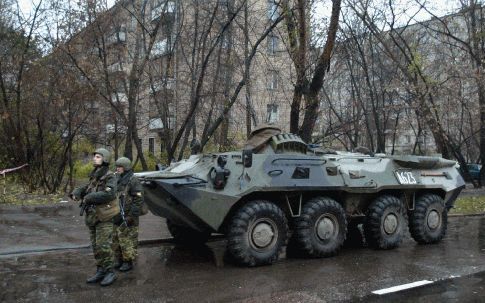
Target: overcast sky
x: 408, y: 7
x: 443, y: 6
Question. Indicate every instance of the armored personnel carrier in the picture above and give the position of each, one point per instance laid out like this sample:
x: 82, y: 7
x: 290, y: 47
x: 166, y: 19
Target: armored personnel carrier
x: 278, y: 189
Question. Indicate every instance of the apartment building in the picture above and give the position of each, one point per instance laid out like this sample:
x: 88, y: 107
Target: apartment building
x: 163, y: 48
x: 367, y: 97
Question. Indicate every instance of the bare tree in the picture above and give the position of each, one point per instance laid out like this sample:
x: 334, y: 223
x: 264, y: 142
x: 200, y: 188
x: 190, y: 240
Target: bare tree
x: 397, y: 45
x: 308, y: 83
x: 204, y: 52
x: 471, y: 41
x: 38, y: 101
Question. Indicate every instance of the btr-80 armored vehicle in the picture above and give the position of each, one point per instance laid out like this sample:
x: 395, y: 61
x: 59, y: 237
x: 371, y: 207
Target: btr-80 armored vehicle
x: 278, y: 187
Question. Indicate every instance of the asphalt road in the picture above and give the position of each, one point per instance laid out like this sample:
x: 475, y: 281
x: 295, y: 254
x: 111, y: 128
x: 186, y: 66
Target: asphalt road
x: 455, y: 269
x: 56, y: 226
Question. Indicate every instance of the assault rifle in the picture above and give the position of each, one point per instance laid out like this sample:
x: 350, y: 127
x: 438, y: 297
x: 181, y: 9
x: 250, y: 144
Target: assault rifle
x: 83, y: 206
x: 122, y: 209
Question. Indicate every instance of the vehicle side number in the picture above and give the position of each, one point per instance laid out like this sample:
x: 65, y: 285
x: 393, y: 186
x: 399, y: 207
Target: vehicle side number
x: 406, y: 177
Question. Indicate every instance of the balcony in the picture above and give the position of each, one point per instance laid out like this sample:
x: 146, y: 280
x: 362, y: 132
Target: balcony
x: 119, y: 97
x: 155, y: 124
x: 168, y: 83
x: 160, y: 48
x: 116, y: 67
x: 116, y: 37
x: 162, y: 8
x: 111, y: 129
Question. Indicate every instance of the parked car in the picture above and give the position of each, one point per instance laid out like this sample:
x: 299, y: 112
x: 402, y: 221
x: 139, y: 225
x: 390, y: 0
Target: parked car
x: 474, y: 170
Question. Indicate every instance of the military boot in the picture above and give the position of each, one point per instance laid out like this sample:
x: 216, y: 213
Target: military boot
x: 109, y: 278
x: 98, y: 276
x: 126, y: 266
x: 118, y: 263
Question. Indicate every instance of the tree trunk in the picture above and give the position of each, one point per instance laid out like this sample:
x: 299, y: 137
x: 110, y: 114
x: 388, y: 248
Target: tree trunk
x: 481, y: 102
x: 322, y: 65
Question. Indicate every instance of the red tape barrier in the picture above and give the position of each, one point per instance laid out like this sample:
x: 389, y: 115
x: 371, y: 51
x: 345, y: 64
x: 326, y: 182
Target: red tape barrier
x: 9, y: 170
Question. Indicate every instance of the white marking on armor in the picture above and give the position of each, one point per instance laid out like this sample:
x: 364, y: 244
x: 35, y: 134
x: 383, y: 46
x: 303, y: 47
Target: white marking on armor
x: 401, y: 287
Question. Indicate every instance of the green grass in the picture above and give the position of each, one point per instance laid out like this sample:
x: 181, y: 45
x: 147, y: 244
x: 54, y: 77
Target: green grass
x: 15, y: 194
x: 469, y: 205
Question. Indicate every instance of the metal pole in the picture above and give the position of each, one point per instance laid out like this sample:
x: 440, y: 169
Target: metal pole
x: 4, y: 184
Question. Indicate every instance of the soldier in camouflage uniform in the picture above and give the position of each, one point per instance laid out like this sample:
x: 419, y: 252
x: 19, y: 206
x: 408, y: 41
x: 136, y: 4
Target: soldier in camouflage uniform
x: 130, y: 193
x: 99, y: 196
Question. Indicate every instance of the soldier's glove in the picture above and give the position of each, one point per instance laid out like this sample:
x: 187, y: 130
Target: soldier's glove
x: 130, y: 221
x: 89, y: 200
x: 118, y: 220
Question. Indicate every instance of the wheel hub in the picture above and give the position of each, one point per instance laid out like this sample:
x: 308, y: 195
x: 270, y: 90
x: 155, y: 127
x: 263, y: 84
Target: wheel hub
x: 326, y: 227
x: 434, y: 220
x: 262, y: 234
x: 390, y: 224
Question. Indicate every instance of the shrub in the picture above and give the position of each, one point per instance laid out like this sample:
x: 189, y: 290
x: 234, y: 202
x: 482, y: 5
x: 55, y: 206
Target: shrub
x: 81, y: 169
x: 151, y: 162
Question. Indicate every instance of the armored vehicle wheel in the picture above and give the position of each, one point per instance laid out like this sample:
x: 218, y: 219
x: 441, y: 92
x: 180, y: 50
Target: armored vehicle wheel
x: 186, y: 235
x: 429, y: 219
x: 321, y: 228
x: 384, y: 223
x: 257, y: 233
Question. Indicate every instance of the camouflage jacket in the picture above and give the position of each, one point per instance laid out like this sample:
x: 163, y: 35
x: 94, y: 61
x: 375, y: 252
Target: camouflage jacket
x: 100, y: 189
x: 130, y: 193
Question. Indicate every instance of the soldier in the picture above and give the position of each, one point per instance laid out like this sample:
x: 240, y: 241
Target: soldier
x: 130, y: 193
x: 100, y: 201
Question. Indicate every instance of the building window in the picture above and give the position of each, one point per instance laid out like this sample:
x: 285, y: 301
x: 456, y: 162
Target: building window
x: 272, y: 10
x: 160, y: 48
x: 171, y: 116
x: 161, y: 7
x: 226, y: 41
x: 407, y: 139
x: 272, y: 113
x: 273, y: 80
x: 226, y: 73
x: 133, y: 23
x: 273, y: 44
x: 151, y: 145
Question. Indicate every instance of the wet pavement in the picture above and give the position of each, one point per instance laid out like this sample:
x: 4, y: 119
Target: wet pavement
x: 470, y: 288
x: 168, y: 273
x: 56, y: 226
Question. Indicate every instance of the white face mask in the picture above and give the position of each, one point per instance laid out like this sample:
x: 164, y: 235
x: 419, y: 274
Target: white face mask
x: 97, y: 160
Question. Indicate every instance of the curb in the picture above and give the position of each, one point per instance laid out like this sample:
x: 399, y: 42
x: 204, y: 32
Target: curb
x: 467, y: 215
x: 77, y: 247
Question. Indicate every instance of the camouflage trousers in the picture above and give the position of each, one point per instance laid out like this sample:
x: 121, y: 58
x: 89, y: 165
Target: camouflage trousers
x: 125, y: 242
x: 101, y: 235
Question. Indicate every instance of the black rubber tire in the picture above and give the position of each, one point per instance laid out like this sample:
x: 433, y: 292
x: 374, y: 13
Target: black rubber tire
x: 186, y: 235
x: 419, y: 224
x: 243, y: 248
x: 383, y: 207
x: 306, y: 235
